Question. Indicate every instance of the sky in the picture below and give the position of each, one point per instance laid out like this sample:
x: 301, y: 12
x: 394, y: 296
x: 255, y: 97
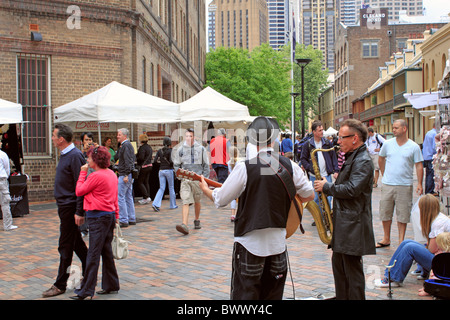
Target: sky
x: 436, y: 8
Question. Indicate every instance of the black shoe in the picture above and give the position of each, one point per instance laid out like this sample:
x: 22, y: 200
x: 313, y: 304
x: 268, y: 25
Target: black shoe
x: 132, y: 223
x: 107, y: 292
x: 123, y: 225
x: 81, y: 298
x: 155, y: 208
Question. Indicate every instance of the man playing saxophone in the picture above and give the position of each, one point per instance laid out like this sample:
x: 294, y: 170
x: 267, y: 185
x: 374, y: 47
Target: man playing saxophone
x: 353, y: 235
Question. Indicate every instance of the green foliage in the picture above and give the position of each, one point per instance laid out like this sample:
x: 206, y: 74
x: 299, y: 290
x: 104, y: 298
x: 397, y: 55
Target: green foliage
x: 261, y: 79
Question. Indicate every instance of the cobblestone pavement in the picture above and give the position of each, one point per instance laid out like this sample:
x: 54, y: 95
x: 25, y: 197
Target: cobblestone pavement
x: 165, y: 265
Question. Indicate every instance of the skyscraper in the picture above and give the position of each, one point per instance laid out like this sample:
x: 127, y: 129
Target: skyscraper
x: 318, y: 18
x: 240, y: 24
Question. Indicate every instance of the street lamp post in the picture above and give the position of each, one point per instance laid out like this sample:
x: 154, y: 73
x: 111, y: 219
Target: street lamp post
x: 302, y: 63
x: 294, y: 95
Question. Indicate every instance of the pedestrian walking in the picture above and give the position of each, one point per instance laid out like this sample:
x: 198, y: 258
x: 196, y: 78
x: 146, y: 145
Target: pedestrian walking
x: 144, y: 163
x: 126, y: 158
x: 67, y: 172
x: 220, y: 155
x: 166, y: 175
x: 259, y: 264
x: 428, y: 151
x: 190, y: 156
x: 397, y: 159
x: 374, y: 143
x: 5, y: 197
x: 102, y: 209
x: 353, y: 235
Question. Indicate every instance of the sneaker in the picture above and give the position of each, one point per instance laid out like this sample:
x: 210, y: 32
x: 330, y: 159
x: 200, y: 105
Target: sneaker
x: 197, y: 224
x: 384, y: 283
x: 182, y: 228
x: 145, y: 201
x: 11, y: 227
x: 416, y: 272
x: 155, y: 208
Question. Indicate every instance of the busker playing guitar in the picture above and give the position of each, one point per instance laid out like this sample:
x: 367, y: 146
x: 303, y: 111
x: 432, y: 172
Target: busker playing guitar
x: 259, y: 255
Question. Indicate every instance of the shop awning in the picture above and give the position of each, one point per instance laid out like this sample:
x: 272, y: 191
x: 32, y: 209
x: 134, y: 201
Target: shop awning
x: 422, y: 100
x: 10, y: 112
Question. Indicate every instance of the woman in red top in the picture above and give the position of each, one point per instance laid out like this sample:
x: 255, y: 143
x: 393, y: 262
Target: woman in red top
x: 102, y: 209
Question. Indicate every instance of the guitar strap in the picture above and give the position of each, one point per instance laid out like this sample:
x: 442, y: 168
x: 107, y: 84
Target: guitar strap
x: 288, y: 183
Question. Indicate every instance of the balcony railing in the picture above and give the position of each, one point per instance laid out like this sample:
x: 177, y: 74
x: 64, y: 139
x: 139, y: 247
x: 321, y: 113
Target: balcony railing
x: 381, y: 109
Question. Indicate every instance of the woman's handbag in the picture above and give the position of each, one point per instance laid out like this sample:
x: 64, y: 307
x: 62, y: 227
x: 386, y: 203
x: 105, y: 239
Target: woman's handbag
x: 119, y: 244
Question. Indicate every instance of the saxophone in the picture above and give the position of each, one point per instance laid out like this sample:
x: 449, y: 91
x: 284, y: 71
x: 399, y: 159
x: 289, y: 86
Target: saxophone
x: 323, y: 218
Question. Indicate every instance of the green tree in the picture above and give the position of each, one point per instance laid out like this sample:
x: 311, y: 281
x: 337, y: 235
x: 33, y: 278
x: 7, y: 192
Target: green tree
x: 315, y: 78
x: 261, y: 79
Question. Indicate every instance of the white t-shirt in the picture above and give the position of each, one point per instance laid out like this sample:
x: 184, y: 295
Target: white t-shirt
x: 400, y: 161
x: 372, y: 143
x: 440, y: 224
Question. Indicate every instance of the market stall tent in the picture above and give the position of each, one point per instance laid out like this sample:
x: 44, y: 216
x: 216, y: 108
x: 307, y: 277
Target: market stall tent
x: 210, y: 105
x: 10, y: 112
x: 420, y: 100
x: 116, y: 102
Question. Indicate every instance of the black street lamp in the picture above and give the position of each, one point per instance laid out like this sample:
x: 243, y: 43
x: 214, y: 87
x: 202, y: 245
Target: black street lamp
x: 294, y: 95
x: 302, y: 63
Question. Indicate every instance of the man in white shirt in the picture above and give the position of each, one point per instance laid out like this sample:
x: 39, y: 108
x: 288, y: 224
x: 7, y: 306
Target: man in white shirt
x: 259, y: 253
x: 397, y: 160
x: 374, y: 143
x: 5, y: 197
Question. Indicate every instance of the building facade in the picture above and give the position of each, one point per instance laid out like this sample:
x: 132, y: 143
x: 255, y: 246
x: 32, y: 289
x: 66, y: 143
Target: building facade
x: 241, y: 24
x: 318, y: 20
x: 52, y: 53
x: 359, y: 51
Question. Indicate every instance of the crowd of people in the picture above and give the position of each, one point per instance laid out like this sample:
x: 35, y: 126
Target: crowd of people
x: 94, y: 192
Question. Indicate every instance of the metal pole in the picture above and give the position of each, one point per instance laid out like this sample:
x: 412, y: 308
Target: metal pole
x: 303, y: 105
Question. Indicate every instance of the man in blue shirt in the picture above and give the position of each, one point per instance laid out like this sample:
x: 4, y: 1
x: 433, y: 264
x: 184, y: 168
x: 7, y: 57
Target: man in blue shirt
x: 286, y: 144
x: 429, y: 149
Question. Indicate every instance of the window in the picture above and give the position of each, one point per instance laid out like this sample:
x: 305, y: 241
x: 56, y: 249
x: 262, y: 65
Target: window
x: 370, y: 49
x: 33, y: 92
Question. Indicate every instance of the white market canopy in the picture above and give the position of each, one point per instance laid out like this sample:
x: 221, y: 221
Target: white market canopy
x: 119, y: 103
x: 422, y: 100
x: 210, y: 105
x: 330, y: 131
x: 10, y: 112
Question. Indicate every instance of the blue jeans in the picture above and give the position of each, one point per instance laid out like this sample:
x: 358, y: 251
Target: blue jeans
x: 429, y: 176
x: 126, y: 200
x: 316, y: 195
x: 406, y: 253
x: 165, y: 175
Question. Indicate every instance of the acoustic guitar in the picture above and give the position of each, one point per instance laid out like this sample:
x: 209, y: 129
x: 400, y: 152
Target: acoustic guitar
x: 293, y: 221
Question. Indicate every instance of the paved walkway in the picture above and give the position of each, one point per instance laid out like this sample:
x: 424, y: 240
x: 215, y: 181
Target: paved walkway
x: 163, y: 264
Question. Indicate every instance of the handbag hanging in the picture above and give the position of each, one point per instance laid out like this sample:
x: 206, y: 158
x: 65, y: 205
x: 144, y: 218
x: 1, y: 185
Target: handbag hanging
x: 119, y: 244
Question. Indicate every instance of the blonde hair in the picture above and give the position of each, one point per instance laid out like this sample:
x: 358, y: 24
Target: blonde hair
x: 443, y: 241
x: 429, y: 209
x: 143, y: 138
x: 234, y: 155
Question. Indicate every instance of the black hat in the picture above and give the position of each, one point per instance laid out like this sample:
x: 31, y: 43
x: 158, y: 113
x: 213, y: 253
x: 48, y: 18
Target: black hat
x: 263, y: 131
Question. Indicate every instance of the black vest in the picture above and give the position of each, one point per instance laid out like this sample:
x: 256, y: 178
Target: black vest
x: 265, y: 202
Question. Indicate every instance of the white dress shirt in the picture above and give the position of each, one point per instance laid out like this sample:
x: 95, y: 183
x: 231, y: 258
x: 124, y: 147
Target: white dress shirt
x: 262, y: 242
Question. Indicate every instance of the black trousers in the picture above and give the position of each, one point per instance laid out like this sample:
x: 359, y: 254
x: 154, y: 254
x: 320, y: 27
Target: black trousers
x: 70, y: 241
x: 349, y: 280
x: 143, y: 181
x: 101, y: 232
x: 257, y: 278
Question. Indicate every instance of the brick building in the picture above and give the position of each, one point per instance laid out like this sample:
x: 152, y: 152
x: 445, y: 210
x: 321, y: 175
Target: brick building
x: 53, y: 52
x: 359, y: 51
